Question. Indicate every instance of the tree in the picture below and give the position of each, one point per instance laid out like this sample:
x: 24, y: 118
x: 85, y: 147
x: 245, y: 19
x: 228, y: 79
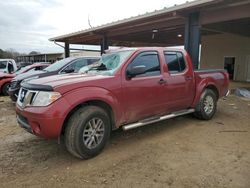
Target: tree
x: 9, y: 54
x: 5, y: 54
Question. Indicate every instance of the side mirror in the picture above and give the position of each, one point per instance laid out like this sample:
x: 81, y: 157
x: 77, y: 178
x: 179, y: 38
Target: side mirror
x: 136, y: 70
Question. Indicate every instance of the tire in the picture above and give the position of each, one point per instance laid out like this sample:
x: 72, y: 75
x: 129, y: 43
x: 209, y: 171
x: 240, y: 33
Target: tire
x: 87, y: 132
x: 5, y: 88
x: 207, y: 105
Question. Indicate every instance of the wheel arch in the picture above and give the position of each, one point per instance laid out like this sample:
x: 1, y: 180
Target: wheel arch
x: 214, y: 89
x: 95, y: 102
x: 201, y: 87
x: 3, y: 86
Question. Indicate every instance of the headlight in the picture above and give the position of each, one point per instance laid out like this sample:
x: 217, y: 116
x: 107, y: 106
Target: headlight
x: 44, y: 98
x: 14, y: 84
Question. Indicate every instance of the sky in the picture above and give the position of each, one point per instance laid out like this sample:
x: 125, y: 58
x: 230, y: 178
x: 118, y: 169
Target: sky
x: 26, y: 25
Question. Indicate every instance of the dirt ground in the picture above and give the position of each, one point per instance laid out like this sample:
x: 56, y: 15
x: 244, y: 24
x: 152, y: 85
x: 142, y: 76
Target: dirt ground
x: 182, y: 152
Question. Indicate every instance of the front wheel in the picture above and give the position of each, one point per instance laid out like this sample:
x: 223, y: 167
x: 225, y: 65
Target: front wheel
x: 207, y: 105
x: 5, y: 88
x: 87, y: 132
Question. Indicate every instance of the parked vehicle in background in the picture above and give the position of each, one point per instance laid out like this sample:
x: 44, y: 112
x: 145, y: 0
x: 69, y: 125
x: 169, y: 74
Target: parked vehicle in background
x: 8, y: 66
x: 67, y: 65
x: 5, y: 78
x: 33, y: 67
x: 25, y: 64
x: 128, y: 88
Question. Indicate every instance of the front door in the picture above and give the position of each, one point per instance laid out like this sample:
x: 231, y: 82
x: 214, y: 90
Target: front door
x: 143, y: 96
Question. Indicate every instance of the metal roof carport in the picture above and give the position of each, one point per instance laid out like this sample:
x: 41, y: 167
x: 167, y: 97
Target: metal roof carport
x: 45, y: 57
x: 178, y: 25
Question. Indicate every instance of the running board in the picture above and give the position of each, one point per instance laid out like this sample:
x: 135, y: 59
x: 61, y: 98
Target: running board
x: 161, y: 118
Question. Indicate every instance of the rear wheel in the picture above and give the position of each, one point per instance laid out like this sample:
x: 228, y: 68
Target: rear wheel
x: 207, y: 105
x: 87, y: 132
x: 5, y: 88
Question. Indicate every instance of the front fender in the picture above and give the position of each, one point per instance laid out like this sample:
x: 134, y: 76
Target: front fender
x: 86, y: 94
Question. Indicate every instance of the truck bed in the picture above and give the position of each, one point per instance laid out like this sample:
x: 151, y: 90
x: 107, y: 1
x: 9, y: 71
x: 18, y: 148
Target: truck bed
x: 216, y: 77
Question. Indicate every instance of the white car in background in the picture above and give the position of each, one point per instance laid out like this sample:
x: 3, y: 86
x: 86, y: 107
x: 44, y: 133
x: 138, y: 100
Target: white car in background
x: 8, y: 66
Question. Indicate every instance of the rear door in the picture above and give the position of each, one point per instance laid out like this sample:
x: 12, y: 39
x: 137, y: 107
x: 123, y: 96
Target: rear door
x: 180, y: 87
x: 143, y: 96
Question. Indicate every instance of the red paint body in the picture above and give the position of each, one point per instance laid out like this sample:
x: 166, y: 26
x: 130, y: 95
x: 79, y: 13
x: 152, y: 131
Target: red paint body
x: 130, y: 99
x: 4, y: 79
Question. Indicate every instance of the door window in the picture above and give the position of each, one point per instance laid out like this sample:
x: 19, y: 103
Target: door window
x: 148, y: 59
x: 175, y: 62
x: 79, y: 64
x: 75, y: 66
x: 91, y: 61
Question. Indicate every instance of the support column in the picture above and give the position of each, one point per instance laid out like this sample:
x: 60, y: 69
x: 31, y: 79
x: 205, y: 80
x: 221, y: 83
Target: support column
x: 192, y: 37
x: 66, y: 50
x: 104, y: 44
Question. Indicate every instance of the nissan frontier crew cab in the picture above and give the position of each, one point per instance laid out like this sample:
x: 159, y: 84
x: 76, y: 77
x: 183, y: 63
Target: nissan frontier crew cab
x: 127, y: 88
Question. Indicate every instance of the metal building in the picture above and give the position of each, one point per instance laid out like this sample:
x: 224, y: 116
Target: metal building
x: 45, y: 57
x: 216, y: 33
x: 53, y: 57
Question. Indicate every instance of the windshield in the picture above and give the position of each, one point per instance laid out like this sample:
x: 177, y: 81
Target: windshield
x: 59, y: 64
x: 22, y: 69
x: 108, y: 63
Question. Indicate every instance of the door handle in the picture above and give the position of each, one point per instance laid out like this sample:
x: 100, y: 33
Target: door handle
x: 189, y: 78
x: 162, y: 81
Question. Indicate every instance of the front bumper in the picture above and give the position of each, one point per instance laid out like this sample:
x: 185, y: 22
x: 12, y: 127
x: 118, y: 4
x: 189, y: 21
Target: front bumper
x: 23, y: 122
x: 45, y: 122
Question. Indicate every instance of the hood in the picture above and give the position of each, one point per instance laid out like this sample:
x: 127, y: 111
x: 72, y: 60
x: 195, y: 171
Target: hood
x: 67, y: 82
x: 28, y: 74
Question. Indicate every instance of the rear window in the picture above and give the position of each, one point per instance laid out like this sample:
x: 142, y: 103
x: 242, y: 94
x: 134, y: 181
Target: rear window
x: 175, y: 62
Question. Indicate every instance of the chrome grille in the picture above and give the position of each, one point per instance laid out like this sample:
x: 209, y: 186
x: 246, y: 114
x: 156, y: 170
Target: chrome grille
x: 22, y: 95
x: 25, y: 97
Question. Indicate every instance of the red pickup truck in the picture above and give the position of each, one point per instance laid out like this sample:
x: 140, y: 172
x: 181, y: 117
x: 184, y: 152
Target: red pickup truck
x: 127, y: 88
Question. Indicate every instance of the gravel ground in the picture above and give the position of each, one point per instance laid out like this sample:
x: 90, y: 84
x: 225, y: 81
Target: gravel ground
x: 182, y: 152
